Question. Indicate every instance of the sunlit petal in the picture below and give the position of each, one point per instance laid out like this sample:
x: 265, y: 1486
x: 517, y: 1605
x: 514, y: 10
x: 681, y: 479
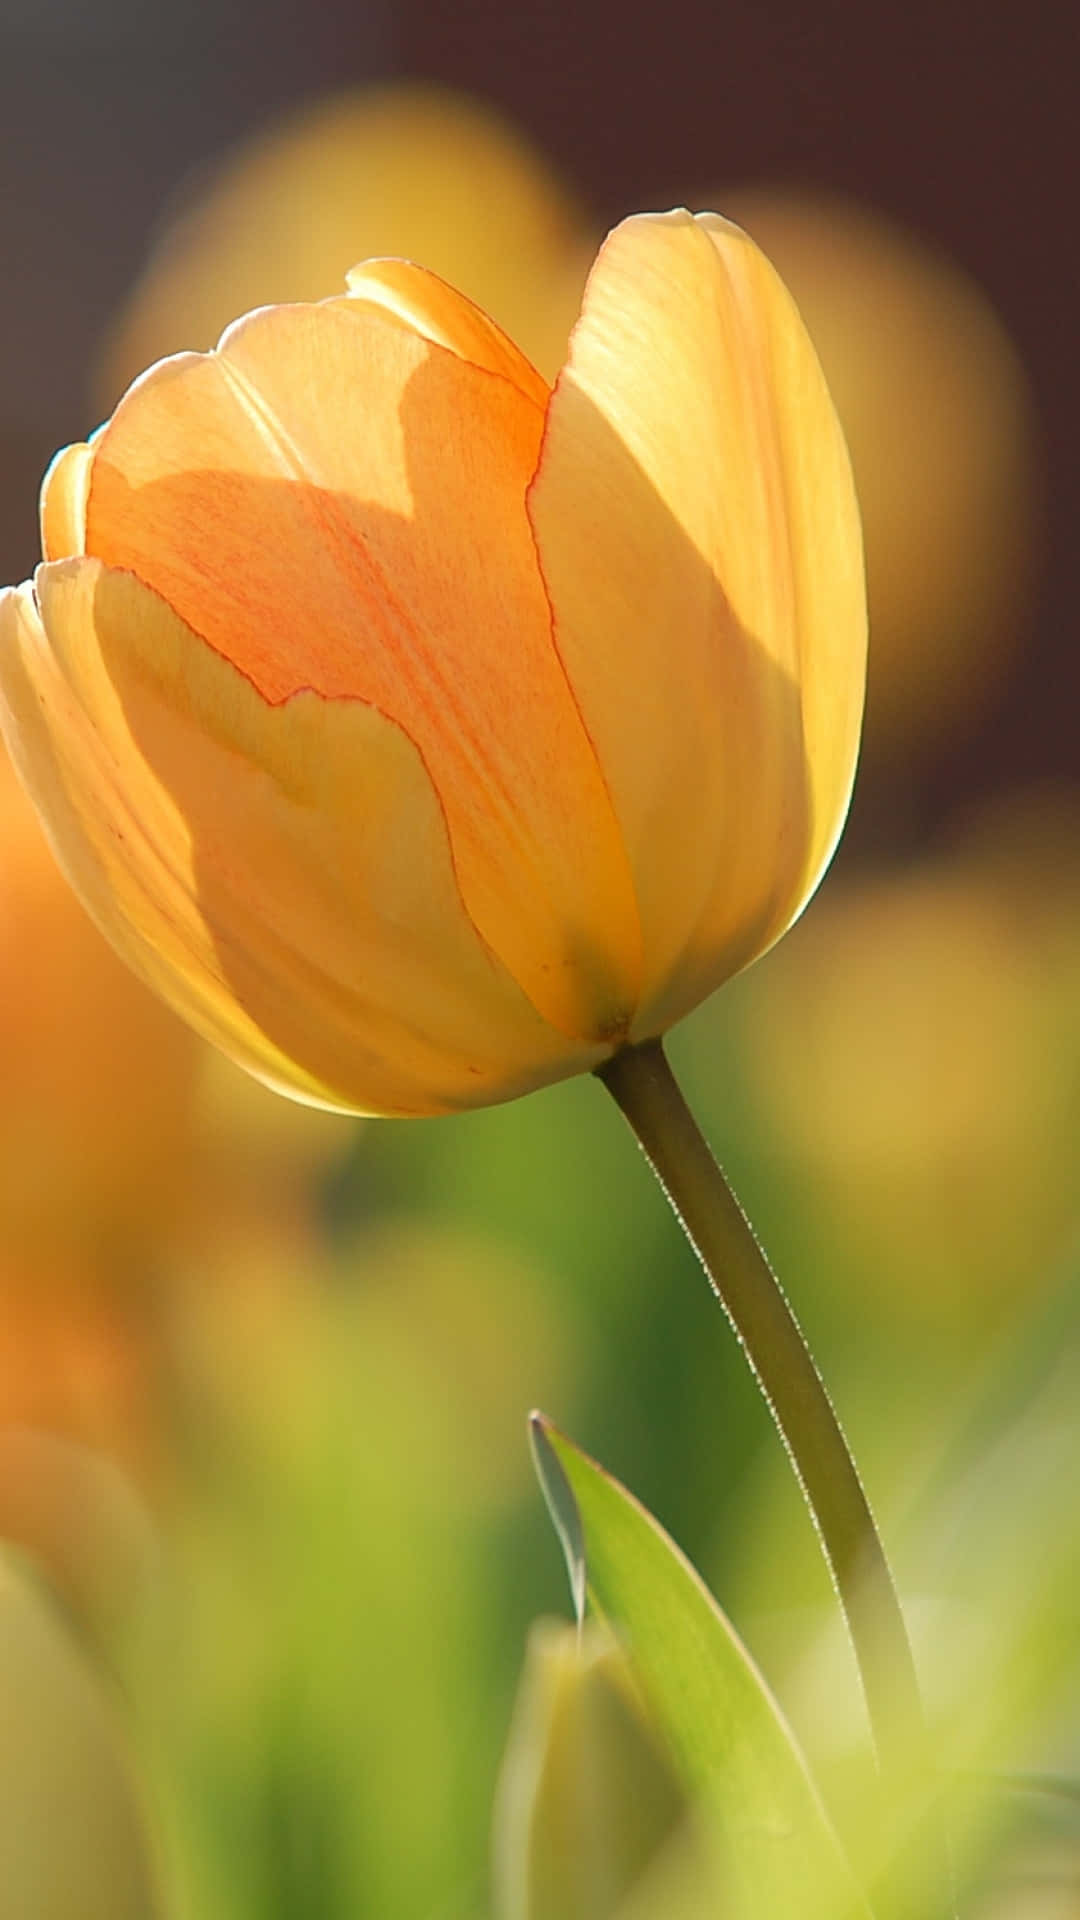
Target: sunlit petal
x: 281, y: 874
x: 428, y: 306
x: 64, y: 492
x: 699, y: 537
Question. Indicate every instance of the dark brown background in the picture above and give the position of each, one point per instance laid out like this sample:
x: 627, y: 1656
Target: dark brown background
x: 960, y: 120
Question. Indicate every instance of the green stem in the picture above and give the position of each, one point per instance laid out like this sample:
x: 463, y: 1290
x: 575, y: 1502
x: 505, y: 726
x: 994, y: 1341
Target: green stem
x: 642, y: 1083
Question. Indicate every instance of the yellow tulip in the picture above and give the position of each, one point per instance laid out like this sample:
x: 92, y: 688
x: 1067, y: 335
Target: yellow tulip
x: 425, y: 734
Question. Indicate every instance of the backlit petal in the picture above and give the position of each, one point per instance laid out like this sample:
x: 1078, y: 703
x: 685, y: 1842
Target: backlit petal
x: 334, y: 502
x: 280, y: 874
x: 699, y: 537
x: 427, y: 305
x: 64, y: 493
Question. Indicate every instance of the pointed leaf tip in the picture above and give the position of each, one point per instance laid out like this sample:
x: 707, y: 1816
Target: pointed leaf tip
x: 777, y: 1851
x: 563, y: 1508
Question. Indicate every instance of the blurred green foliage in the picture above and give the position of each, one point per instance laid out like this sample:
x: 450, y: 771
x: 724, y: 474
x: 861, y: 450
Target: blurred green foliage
x: 318, y: 1660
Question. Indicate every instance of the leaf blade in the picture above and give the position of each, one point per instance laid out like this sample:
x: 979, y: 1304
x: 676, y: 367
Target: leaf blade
x: 780, y: 1854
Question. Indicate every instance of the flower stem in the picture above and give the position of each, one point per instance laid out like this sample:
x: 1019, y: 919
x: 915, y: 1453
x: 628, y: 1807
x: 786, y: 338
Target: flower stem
x: 643, y: 1085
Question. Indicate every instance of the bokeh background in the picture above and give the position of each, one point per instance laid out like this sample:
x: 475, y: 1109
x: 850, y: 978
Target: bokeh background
x: 272, y: 1542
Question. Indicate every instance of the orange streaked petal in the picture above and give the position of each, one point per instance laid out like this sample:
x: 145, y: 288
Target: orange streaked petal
x: 699, y: 537
x: 64, y: 492
x: 335, y: 503
x: 280, y: 874
x: 429, y: 306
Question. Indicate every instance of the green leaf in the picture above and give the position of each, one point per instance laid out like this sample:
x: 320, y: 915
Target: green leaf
x: 779, y: 1855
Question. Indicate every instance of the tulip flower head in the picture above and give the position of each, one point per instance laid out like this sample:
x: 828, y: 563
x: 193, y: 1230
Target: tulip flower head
x: 424, y: 734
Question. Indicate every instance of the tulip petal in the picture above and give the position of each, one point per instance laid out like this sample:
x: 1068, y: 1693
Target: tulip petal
x: 64, y: 493
x: 699, y: 536
x: 280, y: 874
x: 428, y: 306
x: 334, y: 502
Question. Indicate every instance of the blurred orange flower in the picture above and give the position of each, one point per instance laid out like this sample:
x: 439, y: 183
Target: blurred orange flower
x: 97, y: 1078
x: 926, y: 1084
x: 124, y: 1146
x: 404, y: 169
x: 938, y: 414
x: 422, y: 734
x: 80, y: 1358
